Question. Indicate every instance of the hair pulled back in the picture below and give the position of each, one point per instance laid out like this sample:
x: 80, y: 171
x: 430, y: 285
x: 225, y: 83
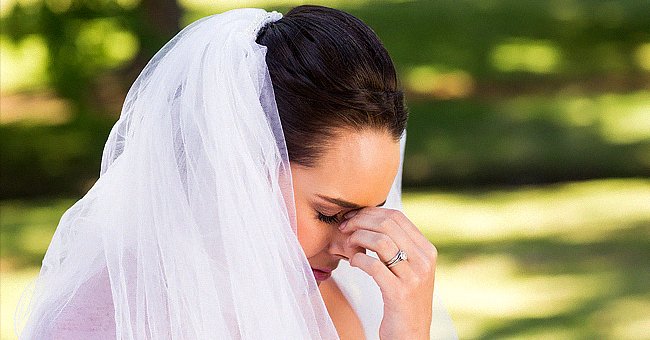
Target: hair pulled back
x: 330, y: 73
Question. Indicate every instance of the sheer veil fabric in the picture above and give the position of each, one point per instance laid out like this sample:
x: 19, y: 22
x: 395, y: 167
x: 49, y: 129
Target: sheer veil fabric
x: 190, y: 231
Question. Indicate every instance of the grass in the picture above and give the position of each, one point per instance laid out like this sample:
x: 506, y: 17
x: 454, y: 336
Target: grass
x: 567, y: 261
x: 12, y: 284
x: 560, y: 261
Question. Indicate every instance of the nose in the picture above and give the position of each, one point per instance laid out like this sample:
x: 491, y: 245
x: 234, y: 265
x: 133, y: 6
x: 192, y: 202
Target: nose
x: 340, y: 247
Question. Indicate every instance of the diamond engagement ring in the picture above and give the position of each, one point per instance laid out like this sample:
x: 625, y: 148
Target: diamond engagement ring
x: 400, y: 256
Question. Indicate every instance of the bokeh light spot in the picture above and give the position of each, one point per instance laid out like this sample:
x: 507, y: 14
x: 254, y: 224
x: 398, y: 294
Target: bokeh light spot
x: 23, y: 65
x: 106, y: 43
x: 440, y: 83
x: 642, y: 56
x: 536, y: 56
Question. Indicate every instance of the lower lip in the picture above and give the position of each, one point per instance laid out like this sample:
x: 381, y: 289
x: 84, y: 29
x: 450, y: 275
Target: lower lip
x: 321, y: 275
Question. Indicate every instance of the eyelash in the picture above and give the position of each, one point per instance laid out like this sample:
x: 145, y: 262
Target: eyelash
x: 328, y: 219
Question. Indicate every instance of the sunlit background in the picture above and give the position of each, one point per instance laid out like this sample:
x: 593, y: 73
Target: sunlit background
x: 528, y: 155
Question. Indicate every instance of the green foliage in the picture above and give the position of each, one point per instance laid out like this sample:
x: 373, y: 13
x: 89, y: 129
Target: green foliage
x: 500, y: 92
x: 530, y: 139
x: 590, y: 36
x: 51, y: 160
x: 85, y: 39
x: 71, y: 66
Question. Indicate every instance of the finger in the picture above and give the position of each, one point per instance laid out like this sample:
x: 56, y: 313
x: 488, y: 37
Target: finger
x: 428, y: 259
x: 410, y: 228
x: 383, y: 245
x: 378, y: 221
x: 375, y: 268
x: 400, y: 220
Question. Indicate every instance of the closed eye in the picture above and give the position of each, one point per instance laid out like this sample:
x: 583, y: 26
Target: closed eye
x: 328, y: 219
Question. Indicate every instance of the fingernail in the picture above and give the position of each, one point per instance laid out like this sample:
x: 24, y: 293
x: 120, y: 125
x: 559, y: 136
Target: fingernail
x: 343, y: 224
x: 350, y: 214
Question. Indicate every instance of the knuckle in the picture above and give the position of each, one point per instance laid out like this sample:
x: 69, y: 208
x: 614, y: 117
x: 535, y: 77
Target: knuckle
x: 383, y: 243
x: 384, y: 225
x: 395, y: 214
x: 427, y: 269
x: 426, y: 262
x: 356, y: 260
x: 414, y: 281
x: 428, y: 266
x: 433, y: 253
x: 376, y: 267
x: 353, y: 239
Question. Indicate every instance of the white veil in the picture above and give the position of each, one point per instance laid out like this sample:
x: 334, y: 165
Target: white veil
x: 189, y: 233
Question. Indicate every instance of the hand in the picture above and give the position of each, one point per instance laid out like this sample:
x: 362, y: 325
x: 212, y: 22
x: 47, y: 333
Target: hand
x: 406, y: 287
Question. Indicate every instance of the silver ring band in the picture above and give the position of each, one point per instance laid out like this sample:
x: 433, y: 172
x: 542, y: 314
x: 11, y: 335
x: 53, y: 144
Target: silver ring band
x: 400, y: 256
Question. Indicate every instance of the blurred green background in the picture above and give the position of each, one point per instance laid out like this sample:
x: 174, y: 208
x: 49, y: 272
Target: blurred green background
x: 528, y: 154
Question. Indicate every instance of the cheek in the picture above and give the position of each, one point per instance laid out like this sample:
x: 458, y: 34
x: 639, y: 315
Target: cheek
x: 312, y: 235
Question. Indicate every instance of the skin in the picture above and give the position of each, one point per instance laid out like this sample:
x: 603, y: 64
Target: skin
x: 359, y: 167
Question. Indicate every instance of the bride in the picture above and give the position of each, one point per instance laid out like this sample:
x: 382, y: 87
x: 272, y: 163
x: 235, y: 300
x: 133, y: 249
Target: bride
x: 252, y: 155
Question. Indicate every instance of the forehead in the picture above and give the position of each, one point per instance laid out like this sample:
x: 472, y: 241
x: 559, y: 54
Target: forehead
x: 357, y: 166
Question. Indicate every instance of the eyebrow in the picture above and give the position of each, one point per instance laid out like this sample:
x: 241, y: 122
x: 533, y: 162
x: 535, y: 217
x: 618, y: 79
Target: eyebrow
x: 345, y: 204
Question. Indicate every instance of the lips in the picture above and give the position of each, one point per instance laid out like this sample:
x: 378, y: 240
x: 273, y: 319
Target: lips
x: 321, y: 274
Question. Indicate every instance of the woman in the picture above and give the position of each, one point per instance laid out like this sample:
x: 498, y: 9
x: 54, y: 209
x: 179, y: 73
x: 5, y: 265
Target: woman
x: 252, y: 155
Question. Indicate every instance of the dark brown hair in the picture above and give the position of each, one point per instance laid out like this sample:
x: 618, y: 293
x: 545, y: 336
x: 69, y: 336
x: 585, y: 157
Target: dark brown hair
x: 329, y: 72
